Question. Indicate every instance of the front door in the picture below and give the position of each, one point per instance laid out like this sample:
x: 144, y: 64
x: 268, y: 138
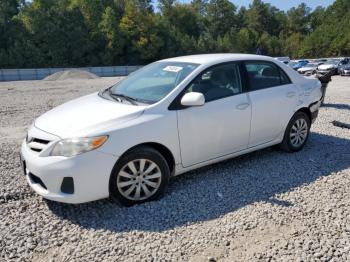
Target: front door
x: 221, y: 126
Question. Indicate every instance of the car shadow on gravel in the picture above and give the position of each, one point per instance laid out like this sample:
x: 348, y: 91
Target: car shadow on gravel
x: 216, y: 190
x: 337, y: 106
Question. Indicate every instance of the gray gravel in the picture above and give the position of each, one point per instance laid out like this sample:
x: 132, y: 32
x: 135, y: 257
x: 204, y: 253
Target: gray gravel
x: 267, y: 205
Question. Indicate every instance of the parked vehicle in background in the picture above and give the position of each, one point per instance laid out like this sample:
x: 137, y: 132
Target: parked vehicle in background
x: 331, y: 66
x: 321, y: 60
x: 292, y: 63
x: 309, y: 68
x: 344, y: 66
x: 283, y: 59
x: 165, y: 119
x: 344, y: 61
x: 344, y: 70
x: 298, y: 64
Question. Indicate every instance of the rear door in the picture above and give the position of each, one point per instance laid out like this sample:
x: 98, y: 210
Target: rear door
x: 273, y: 97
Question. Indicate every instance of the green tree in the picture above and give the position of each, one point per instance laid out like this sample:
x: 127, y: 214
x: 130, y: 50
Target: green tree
x: 42, y: 33
x: 316, y: 18
x: 220, y: 17
x: 298, y: 19
x: 262, y: 17
x: 140, y: 29
x: 247, y: 40
x: 332, y: 36
x: 60, y: 33
x: 115, y: 42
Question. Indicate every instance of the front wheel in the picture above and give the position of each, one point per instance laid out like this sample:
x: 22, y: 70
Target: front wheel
x: 297, y: 132
x: 139, y: 176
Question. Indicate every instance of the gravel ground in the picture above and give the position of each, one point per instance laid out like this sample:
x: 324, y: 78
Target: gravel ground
x: 266, y: 205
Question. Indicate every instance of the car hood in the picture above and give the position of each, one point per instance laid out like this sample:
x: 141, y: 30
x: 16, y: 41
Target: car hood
x: 326, y: 67
x: 85, y: 114
x: 346, y: 68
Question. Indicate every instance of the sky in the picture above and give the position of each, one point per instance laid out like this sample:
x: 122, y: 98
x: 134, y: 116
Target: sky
x: 282, y: 4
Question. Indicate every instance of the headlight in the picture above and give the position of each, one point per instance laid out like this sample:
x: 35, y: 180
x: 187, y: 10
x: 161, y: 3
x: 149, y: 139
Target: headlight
x: 75, y: 146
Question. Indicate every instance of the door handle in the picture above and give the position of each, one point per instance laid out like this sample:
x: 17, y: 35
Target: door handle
x: 242, y: 106
x: 290, y: 94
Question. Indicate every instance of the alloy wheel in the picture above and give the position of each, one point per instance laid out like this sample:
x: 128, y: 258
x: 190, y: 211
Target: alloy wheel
x: 298, y: 132
x: 139, y: 179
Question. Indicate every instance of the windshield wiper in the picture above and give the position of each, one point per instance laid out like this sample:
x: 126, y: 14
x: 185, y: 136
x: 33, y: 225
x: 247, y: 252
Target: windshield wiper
x: 131, y: 100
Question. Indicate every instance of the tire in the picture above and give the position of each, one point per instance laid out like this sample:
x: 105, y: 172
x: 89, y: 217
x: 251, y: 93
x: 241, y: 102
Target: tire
x: 295, y: 138
x: 140, y: 175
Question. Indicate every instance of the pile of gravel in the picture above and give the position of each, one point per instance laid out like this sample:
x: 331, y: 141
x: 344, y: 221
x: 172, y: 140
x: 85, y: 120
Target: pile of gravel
x: 264, y: 206
x: 70, y: 74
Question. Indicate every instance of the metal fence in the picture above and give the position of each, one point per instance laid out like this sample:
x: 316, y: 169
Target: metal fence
x: 40, y: 73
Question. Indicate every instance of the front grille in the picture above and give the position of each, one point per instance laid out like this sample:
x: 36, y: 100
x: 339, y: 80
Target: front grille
x: 37, y: 144
x: 36, y: 180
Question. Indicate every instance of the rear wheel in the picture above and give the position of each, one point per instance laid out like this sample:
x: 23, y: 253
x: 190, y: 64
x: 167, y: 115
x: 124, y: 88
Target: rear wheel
x: 297, y: 132
x: 139, y: 176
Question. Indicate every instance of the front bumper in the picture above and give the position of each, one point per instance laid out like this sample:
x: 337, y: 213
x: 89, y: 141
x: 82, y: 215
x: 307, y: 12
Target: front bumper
x: 306, y: 73
x: 53, y: 176
x: 314, y: 107
x: 323, y: 72
x: 345, y: 73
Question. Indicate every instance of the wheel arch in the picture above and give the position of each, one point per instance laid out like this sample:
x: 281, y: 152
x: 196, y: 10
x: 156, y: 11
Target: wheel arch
x: 305, y: 110
x: 114, y: 194
x: 163, y: 150
x: 285, y: 143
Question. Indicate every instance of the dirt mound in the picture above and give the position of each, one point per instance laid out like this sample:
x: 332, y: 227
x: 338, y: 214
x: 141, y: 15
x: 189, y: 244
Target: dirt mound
x: 70, y: 74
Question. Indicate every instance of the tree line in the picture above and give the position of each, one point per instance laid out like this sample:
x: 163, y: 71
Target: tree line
x: 70, y: 33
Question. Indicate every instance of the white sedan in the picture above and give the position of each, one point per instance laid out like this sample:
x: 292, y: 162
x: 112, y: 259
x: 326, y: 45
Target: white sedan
x: 309, y: 69
x: 165, y: 119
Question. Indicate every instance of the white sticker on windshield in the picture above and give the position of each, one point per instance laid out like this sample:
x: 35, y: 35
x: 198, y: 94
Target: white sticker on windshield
x: 175, y: 69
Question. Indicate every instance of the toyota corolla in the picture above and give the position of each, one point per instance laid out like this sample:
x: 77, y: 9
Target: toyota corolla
x: 167, y: 118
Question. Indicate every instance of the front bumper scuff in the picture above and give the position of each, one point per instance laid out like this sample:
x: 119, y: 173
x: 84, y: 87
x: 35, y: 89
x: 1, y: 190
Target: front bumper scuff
x: 314, y: 107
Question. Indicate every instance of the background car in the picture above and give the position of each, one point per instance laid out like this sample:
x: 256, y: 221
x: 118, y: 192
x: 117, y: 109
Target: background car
x: 329, y: 66
x: 345, y: 70
x: 333, y: 65
x: 320, y: 60
x: 298, y: 64
x: 283, y: 59
x: 309, y: 68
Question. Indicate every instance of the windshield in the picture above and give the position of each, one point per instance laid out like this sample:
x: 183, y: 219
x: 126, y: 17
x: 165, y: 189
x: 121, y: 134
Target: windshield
x: 153, y: 82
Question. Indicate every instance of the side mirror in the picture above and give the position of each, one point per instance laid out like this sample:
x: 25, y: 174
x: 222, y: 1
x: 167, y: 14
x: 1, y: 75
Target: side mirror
x: 193, y: 99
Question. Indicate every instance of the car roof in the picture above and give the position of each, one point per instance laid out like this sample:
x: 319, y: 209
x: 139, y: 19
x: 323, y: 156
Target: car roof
x: 216, y: 58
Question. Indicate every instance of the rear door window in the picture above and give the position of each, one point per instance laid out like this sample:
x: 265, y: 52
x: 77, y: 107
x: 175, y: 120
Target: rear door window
x: 263, y: 74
